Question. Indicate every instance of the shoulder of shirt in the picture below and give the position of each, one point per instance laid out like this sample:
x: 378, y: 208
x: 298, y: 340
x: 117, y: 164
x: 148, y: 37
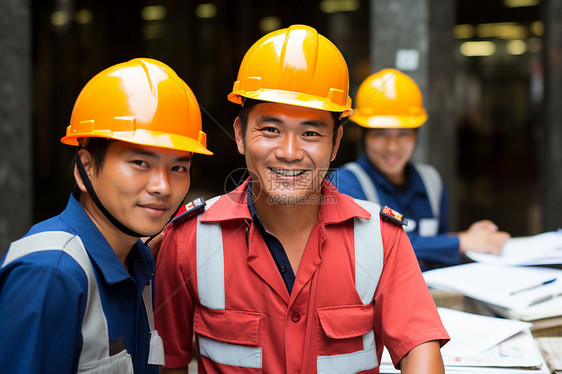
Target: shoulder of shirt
x: 393, y: 216
x: 50, y: 267
x: 188, y: 210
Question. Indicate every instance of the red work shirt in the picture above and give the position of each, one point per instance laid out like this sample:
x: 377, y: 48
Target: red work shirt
x: 323, y: 315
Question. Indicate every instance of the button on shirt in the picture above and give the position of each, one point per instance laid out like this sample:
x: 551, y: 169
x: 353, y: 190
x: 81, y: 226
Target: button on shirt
x: 43, y: 299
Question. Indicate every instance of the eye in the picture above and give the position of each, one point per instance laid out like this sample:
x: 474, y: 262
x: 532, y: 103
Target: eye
x: 310, y: 133
x: 180, y: 169
x: 141, y: 163
x: 271, y: 130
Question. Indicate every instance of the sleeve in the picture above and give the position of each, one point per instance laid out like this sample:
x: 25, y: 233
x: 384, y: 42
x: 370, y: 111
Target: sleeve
x: 173, y: 309
x: 40, y: 318
x: 441, y: 248
x: 347, y: 183
x: 403, y: 304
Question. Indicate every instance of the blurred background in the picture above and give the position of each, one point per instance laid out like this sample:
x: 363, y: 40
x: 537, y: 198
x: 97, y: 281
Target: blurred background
x: 490, y: 72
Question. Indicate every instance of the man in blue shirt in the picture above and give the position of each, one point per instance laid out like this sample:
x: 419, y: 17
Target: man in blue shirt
x: 389, y: 110
x: 76, y: 290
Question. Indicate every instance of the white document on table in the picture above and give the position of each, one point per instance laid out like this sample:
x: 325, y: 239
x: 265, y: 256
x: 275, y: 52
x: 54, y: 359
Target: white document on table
x: 472, y: 334
x: 510, y: 287
x: 519, y: 351
x: 541, y: 249
x: 518, y: 354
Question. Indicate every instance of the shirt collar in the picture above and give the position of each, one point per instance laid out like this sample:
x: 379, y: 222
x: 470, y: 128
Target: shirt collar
x: 231, y: 206
x: 250, y: 203
x: 101, y: 253
x: 335, y: 207
x: 252, y: 209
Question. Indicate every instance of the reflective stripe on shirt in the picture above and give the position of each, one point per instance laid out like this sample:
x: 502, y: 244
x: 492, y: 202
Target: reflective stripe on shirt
x: 365, y: 181
x: 368, y: 252
x: 350, y: 363
x: 210, y: 263
x: 433, y: 185
x: 230, y: 354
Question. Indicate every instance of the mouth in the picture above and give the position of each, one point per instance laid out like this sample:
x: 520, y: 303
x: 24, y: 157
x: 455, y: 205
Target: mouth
x: 393, y: 159
x: 155, y: 209
x: 288, y: 172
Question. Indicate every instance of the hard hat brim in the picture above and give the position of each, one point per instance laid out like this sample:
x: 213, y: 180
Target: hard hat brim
x: 144, y: 137
x: 290, y: 98
x: 389, y: 122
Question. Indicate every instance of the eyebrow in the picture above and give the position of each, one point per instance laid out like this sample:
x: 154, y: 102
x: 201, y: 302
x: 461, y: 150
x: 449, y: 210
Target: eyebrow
x: 144, y: 152
x: 269, y: 118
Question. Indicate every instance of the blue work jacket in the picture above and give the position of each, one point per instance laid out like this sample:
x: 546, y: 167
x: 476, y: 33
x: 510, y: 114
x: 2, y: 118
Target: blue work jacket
x: 434, y: 247
x: 43, y: 299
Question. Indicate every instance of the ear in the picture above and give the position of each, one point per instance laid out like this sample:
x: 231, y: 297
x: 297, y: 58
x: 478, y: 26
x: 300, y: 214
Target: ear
x: 338, y: 135
x: 88, y: 163
x: 239, y: 135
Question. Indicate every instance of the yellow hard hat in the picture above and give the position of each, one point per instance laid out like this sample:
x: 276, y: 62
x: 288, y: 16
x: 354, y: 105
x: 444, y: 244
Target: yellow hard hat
x: 389, y: 99
x: 295, y: 66
x: 142, y: 101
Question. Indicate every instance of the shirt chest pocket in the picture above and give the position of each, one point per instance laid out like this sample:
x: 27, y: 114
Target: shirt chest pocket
x: 229, y: 337
x: 345, y: 339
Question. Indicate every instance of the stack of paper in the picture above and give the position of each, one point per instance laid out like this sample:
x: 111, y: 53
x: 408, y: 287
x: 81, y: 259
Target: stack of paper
x: 540, y: 303
x: 541, y: 311
x: 542, y: 249
x: 509, y: 287
x: 483, y: 345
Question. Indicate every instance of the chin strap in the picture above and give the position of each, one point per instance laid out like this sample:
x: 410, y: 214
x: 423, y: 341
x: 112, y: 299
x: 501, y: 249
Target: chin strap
x: 109, y: 216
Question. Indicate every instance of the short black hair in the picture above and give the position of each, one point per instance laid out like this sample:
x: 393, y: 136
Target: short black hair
x: 98, y: 149
x: 248, y: 104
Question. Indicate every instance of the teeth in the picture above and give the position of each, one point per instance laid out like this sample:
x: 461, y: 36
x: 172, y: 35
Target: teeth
x: 288, y: 173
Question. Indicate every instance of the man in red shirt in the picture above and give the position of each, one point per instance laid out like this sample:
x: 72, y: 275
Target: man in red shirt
x: 285, y: 274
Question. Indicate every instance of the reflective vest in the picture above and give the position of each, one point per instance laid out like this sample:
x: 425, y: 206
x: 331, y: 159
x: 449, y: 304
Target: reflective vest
x: 211, y: 291
x: 94, y: 356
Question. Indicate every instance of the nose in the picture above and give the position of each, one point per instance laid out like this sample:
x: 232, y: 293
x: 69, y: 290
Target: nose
x: 289, y: 148
x: 159, y: 182
x: 392, y: 143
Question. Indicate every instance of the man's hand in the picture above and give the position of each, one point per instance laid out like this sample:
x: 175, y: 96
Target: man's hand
x: 483, y: 236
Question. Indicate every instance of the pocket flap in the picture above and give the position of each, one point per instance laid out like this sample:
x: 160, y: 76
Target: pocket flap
x: 344, y: 322
x: 230, y: 326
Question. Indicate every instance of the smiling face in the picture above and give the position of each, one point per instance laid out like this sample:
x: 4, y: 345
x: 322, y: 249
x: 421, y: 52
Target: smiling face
x: 389, y: 150
x: 288, y: 150
x: 140, y: 186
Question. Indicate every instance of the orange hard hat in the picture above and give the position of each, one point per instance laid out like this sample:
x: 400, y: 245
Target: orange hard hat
x: 295, y: 66
x: 389, y: 99
x: 142, y: 101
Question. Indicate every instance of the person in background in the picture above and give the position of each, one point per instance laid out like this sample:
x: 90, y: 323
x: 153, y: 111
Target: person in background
x: 285, y: 274
x: 76, y: 290
x: 389, y: 111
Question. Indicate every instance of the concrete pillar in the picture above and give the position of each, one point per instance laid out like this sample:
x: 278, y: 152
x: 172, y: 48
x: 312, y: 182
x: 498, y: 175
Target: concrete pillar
x: 416, y: 37
x: 15, y: 122
x: 551, y: 163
